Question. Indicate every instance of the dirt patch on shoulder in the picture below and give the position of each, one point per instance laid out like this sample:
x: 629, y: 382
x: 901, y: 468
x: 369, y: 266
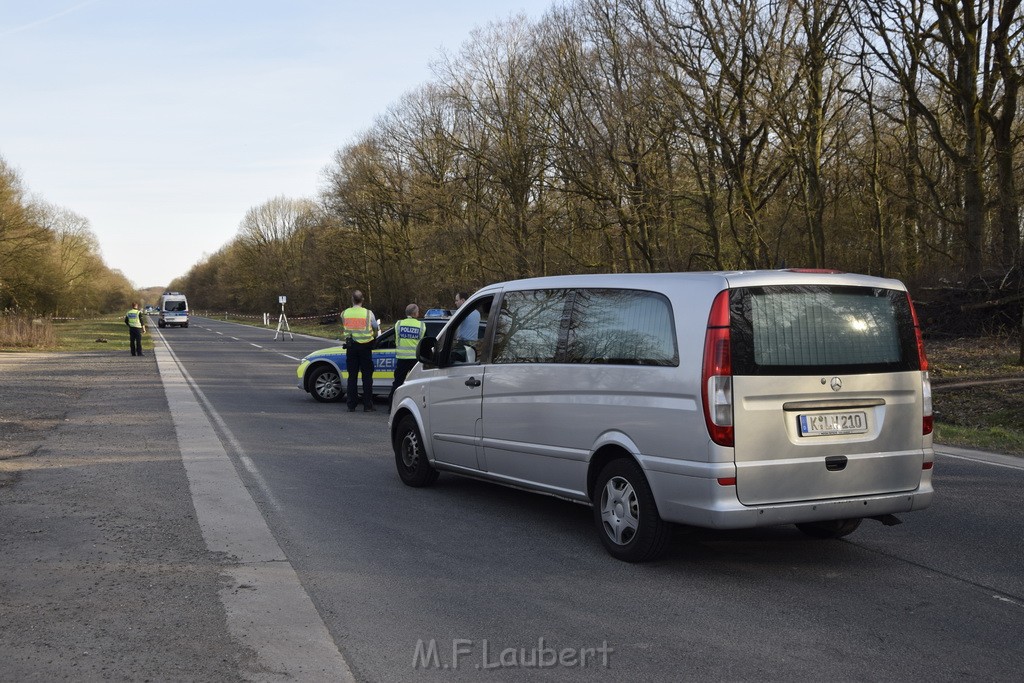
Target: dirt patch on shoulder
x: 104, y: 574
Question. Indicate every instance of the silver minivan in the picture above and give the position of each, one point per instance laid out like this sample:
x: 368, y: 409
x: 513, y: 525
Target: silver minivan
x: 724, y: 400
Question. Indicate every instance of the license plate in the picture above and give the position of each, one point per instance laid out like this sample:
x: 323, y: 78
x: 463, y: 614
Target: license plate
x: 828, y: 424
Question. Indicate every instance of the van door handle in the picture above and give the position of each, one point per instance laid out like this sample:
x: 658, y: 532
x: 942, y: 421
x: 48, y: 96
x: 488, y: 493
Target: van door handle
x: 472, y: 382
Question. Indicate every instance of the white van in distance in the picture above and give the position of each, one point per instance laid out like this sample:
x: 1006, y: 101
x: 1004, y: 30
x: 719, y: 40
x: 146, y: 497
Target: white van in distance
x: 724, y: 400
x: 173, y: 310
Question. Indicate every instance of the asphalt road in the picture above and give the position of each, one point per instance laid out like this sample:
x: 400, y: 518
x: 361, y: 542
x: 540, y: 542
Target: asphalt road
x: 104, y: 572
x: 497, y: 580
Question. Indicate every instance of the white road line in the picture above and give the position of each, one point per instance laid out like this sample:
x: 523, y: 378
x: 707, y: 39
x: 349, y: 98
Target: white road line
x: 273, y: 616
x: 996, y: 460
x: 1003, y: 598
x: 256, y: 345
x: 290, y: 357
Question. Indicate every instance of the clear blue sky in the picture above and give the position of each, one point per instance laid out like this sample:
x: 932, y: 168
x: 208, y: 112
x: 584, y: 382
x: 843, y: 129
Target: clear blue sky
x: 163, y: 121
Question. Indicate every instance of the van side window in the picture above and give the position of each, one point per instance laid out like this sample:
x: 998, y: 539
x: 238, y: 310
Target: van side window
x: 528, y: 326
x: 621, y: 326
x: 468, y: 333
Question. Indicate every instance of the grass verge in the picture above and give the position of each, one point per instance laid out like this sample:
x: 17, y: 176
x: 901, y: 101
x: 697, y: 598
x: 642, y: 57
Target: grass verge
x: 86, y: 334
x: 995, y: 439
x: 973, y: 408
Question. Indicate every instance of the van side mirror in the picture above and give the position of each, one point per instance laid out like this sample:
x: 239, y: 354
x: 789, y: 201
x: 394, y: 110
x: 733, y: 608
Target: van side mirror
x: 425, y: 351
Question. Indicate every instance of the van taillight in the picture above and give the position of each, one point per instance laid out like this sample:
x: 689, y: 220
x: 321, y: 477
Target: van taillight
x: 926, y: 392
x: 922, y: 358
x: 716, y: 376
x: 928, y: 423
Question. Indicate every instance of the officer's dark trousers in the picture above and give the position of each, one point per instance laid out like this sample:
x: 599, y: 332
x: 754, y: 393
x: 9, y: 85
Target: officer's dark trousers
x: 402, y: 368
x: 359, y: 358
x: 135, y: 340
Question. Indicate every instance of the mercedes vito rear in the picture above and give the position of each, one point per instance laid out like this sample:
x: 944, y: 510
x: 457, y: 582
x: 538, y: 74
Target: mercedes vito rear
x: 724, y: 400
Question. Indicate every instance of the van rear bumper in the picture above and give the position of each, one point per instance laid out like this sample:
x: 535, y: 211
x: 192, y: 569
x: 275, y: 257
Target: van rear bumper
x: 702, y: 501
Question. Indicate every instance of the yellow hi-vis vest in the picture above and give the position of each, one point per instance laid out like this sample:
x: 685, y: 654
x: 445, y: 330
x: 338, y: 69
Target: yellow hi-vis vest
x: 408, y: 333
x: 134, y: 318
x: 356, y: 321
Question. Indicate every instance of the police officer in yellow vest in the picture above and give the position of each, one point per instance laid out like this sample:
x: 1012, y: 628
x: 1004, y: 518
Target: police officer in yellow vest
x: 408, y: 333
x: 361, y: 329
x: 136, y: 326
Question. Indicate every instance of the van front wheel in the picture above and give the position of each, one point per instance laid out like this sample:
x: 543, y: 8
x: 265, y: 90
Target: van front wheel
x: 836, y: 528
x: 410, y: 459
x: 626, y: 516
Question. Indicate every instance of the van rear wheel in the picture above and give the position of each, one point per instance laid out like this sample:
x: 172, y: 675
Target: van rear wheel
x: 410, y: 459
x: 836, y: 528
x: 626, y: 515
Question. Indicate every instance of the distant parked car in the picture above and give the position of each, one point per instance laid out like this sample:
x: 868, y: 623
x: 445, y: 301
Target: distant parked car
x: 324, y: 373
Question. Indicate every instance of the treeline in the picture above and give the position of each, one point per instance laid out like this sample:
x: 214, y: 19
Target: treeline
x: 50, y: 260
x: 876, y: 136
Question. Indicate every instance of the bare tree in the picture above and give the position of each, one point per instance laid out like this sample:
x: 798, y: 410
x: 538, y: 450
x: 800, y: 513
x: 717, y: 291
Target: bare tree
x: 821, y: 76
x: 730, y: 66
x: 24, y: 243
x: 270, y: 247
x: 1004, y: 74
x: 613, y: 131
x: 497, y: 131
x: 960, y: 53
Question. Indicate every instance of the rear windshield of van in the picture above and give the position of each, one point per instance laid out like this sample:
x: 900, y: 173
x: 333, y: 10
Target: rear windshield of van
x: 810, y: 329
x: 175, y: 306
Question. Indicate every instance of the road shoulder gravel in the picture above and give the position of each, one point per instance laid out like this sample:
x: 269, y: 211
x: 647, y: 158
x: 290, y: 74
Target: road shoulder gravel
x: 104, y: 573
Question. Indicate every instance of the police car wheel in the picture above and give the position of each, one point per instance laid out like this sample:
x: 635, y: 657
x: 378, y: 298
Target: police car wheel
x: 410, y: 459
x: 325, y: 384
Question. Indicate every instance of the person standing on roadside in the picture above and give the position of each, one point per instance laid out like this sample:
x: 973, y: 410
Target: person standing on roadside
x: 136, y: 328
x: 361, y: 329
x: 408, y: 333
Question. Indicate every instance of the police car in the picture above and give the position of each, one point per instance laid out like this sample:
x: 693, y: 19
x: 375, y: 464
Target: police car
x: 324, y: 373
